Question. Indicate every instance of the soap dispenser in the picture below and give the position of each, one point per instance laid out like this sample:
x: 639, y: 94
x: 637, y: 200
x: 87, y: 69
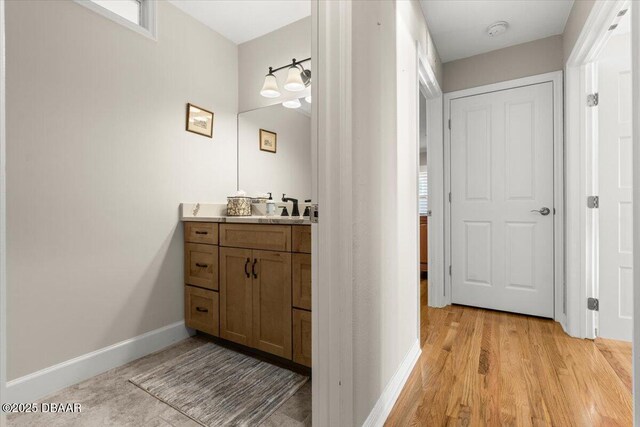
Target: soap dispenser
x: 271, y: 206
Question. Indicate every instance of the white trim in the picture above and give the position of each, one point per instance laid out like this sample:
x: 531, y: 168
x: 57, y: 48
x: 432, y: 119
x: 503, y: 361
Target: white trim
x: 3, y: 218
x: 635, y: 75
x: 558, y: 183
x: 431, y: 89
x: 148, y: 17
x: 46, y: 381
x: 384, y: 405
x: 332, y: 286
x: 580, y: 277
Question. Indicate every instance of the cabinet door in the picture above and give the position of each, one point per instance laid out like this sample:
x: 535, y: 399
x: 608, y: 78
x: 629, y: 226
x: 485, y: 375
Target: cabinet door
x: 201, y: 232
x: 301, y: 238
x: 301, y: 281
x: 201, y: 265
x: 201, y: 309
x: 271, y: 273
x: 235, y: 295
x: 423, y: 244
x: 302, y: 337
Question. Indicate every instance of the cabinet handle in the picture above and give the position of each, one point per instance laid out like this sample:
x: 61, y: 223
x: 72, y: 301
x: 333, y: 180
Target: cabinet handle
x: 246, y: 267
x: 253, y: 268
x: 202, y: 232
x: 202, y: 309
x: 202, y: 265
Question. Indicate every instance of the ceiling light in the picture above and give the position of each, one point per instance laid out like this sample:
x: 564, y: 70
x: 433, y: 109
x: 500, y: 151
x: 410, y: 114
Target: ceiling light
x: 308, y: 99
x: 497, y: 28
x: 292, y: 103
x: 270, y: 86
x: 294, y: 81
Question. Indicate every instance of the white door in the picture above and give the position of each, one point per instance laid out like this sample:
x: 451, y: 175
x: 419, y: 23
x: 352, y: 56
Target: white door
x: 502, y: 200
x: 615, y: 281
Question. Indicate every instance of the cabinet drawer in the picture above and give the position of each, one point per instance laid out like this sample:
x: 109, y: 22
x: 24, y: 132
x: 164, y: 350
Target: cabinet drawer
x: 301, y: 275
x: 201, y: 232
x: 256, y: 236
x: 201, y: 310
x: 301, y: 238
x: 302, y: 337
x: 201, y: 265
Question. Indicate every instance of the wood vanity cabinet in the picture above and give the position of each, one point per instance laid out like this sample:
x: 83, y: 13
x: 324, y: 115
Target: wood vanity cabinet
x: 424, y: 239
x: 262, y: 286
x: 272, y: 302
x: 201, y: 299
x: 236, y: 290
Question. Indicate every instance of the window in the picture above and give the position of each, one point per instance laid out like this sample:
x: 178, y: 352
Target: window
x: 423, y: 193
x: 128, y: 9
x: 137, y: 15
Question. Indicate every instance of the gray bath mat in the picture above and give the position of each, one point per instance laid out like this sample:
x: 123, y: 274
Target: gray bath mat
x: 215, y: 386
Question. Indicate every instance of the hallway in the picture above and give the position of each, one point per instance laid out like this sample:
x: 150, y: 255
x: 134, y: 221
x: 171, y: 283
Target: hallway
x: 482, y: 367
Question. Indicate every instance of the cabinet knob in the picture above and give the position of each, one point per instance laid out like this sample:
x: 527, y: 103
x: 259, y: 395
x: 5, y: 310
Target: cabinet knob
x: 201, y: 265
x: 202, y: 232
x: 202, y: 309
x: 253, y: 268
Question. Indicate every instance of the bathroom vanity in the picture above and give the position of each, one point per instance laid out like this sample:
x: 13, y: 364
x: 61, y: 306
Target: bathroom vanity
x: 248, y: 280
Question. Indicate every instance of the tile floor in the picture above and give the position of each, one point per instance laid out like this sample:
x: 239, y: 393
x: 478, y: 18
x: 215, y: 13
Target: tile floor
x: 109, y: 399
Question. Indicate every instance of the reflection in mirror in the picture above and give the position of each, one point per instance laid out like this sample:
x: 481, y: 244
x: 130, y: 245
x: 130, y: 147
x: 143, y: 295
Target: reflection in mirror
x: 280, y: 162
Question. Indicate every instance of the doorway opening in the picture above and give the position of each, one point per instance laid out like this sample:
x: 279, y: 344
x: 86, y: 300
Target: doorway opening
x: 423, y: 209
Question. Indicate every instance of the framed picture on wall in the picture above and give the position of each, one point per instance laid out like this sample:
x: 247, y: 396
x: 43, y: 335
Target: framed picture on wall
x: 268, y: 140
x: 199, y: 121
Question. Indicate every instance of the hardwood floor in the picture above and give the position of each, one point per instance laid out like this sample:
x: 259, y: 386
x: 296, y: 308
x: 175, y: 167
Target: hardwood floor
x: 486, y: 368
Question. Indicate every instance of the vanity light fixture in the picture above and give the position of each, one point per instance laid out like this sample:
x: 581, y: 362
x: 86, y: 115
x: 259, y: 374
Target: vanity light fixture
x: 270, y: 86
x: 292, y: 103
x: 294, y: 81
x: 298, y: 78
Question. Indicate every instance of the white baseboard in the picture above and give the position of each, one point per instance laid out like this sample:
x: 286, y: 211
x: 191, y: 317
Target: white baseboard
x: 37, y: 385
x: 384, y: 405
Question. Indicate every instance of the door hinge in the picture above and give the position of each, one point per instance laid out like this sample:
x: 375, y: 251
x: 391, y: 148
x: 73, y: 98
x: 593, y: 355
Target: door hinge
x: 449, y: 270
x: 449, y: 197
x: 593, y: 304
x: 313, y: 213
x: 592, y: 99
x: 449, y: 124
x: 593, y: 202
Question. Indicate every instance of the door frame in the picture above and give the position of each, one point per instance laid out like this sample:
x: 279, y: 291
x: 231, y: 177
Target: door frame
x: 332, y: 236
x: 555, y: 78
x: 428, y: 85
x: 3, y: 216
x: 581, y: 179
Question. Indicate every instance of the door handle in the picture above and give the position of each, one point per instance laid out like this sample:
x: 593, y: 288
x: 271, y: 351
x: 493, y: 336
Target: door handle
x: 246, y: 267
x: 542, y: 211
x: 253, y: 268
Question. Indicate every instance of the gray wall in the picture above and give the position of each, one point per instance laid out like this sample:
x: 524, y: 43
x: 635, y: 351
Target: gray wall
x: 526, y: 59
x: 97, y: 164
x: 577, y: 18
x: 271, y: 50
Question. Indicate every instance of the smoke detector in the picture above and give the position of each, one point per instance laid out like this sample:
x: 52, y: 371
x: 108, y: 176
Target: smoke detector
x: 497, y: 28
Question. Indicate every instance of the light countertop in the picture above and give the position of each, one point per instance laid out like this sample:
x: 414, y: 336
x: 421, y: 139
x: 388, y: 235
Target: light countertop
x: 212, y: 212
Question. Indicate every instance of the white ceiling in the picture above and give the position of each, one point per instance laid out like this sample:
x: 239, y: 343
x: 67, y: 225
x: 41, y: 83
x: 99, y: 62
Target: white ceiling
x: 241, y: 21
x: 458, y: 27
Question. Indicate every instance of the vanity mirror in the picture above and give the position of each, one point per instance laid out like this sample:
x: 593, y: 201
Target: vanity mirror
x: 274, y: 151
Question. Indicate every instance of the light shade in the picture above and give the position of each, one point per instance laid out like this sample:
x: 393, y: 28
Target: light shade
x: 292, y: 103
x: 294, y: 81
x: 308, y: 99
x: 270, y: 87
